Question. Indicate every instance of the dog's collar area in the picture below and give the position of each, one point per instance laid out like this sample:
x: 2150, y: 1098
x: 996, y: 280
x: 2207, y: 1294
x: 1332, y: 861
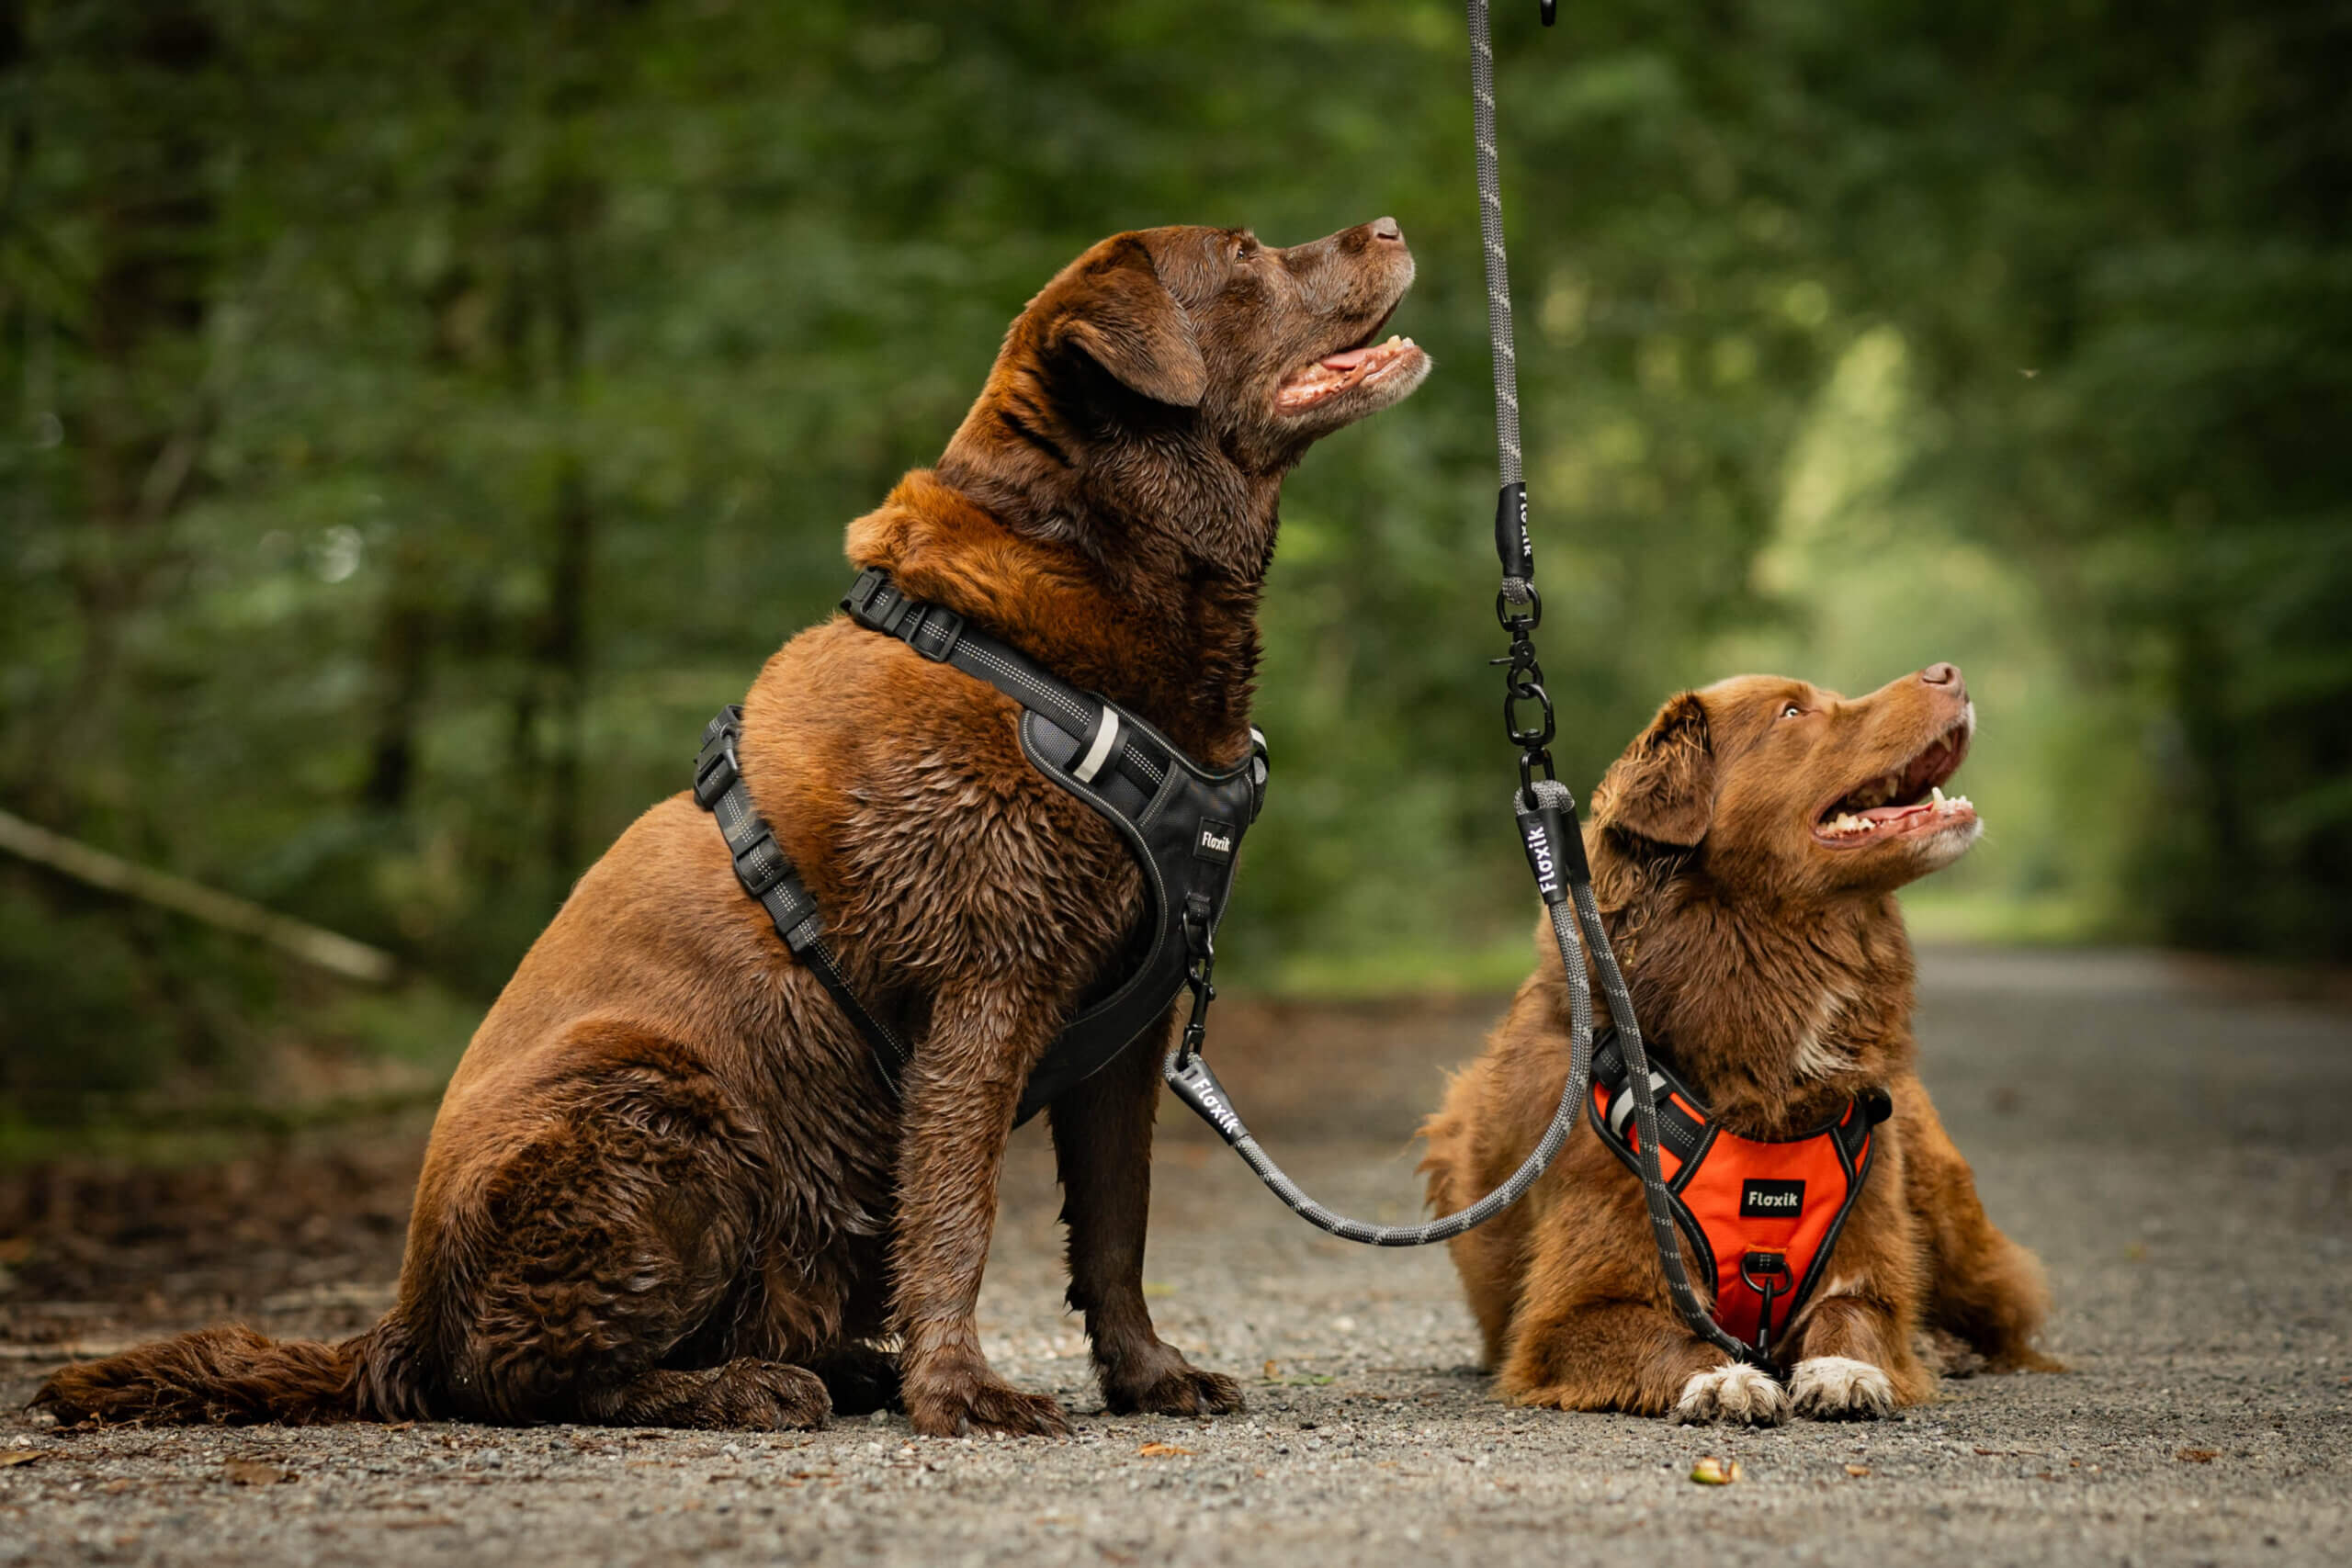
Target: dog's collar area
x: 1762, y: 1215
x: 1183, y: 822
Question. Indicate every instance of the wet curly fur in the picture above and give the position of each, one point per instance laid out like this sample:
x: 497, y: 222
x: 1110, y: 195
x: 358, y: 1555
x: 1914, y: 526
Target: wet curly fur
x: 667, y: 1184
x: 1773, y: 972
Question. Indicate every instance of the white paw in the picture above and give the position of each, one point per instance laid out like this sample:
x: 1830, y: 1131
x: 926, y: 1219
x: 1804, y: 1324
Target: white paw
x: 1839, y: 1388
x: 1733, y: 1392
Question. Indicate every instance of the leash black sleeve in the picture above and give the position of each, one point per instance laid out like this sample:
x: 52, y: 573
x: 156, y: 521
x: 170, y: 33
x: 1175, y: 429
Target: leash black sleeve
x: 1547, y: 827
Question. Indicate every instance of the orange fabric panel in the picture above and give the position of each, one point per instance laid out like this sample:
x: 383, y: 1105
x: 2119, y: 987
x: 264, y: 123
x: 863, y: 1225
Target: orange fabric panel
x: 1731, y: 1171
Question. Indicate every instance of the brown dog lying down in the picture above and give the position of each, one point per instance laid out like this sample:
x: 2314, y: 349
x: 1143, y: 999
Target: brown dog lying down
x: 1746, y: 851
x: 668, y: 1185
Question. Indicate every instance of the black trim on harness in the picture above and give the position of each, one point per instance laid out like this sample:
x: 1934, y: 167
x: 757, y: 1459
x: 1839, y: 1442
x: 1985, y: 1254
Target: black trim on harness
x: 1183, y: 823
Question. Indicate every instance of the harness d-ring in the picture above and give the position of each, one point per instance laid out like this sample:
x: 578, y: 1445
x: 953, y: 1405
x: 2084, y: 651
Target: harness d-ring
x: 1778, y: 1281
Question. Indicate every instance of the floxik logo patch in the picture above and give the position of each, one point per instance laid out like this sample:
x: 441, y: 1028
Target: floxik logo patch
x: 1214, y: 842
x: 1761, y: 1199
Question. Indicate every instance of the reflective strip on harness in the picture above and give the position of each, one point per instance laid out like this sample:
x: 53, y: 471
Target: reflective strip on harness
x: 1106, y: 736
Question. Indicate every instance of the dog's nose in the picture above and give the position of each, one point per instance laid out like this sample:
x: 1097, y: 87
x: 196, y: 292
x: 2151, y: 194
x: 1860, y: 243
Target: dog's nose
x: 1388, y: 229
x: 1945, y: 675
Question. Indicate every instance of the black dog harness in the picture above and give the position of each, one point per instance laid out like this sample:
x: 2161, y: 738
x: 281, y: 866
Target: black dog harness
x: 1762, y: 1214
x: 1183, y: 822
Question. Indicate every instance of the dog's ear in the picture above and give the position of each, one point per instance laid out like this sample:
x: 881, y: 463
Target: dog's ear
x: 1120, y: 315
x: 1663, y: 788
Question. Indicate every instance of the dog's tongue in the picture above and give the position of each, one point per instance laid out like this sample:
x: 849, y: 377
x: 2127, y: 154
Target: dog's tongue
x: 1349, y: 358
x: 1891, y: 812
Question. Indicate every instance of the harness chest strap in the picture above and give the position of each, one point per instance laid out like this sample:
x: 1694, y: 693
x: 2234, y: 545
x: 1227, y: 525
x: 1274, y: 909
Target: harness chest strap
x: 1762, y: 1215
x: 1183, y: 823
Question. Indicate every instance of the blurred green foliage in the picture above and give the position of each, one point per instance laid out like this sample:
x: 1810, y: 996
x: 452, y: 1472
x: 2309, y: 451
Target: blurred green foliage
x: 419, y: 417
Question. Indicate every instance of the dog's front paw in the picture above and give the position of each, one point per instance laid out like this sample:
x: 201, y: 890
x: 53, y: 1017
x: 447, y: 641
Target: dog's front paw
x: 1171, y: 1386
x: 972, y: 1402
x: 1839, y: 1388
x: 1732, y: 1391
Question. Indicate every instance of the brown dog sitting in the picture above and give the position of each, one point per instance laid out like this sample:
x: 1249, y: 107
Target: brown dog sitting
x: 1746, y: 851
x: 667, y: 1185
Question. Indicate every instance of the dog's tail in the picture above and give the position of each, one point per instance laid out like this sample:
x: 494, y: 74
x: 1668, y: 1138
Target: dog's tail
x: 233, y: 1376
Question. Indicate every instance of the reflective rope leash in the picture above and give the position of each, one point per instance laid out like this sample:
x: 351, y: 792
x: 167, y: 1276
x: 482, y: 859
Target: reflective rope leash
x: 1546, y: 816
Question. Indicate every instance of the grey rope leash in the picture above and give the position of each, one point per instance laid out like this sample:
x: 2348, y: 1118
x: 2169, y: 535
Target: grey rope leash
x: 1544, y: 808
x: 1547, y: 827
x: 1644, y: 1091
x: 1188, y: 1073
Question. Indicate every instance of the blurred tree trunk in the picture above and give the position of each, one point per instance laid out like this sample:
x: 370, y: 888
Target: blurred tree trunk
x: 402, y: 666
x: 144, y: 412
x: 563, y: 639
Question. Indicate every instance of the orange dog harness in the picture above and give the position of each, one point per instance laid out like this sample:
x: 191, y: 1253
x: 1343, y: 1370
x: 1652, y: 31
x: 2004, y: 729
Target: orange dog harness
x: 1762, y: 1215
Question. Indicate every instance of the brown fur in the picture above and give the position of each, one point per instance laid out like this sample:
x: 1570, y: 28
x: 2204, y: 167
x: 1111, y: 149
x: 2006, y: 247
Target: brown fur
x: 1772, y: 969
x: 667, y: 1184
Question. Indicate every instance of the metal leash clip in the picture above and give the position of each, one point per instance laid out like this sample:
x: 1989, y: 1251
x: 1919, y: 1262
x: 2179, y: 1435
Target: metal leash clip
x: 1200, y: 977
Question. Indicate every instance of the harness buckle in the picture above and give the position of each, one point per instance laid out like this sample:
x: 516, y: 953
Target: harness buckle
x: 874, y: 601
x: 759, y: 865
x: 715, y: 769
x: 937, y: 631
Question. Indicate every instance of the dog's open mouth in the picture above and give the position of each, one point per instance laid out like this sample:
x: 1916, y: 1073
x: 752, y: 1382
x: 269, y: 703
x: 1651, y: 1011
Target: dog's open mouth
x: 1905, y: 803
x: 1349, y: 370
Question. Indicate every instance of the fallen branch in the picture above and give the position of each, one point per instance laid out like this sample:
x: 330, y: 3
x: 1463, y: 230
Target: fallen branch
x: 353, y: 960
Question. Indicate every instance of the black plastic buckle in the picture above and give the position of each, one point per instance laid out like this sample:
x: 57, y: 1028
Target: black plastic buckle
x: 935, y: 633
x: 759, y: 878
x: 716, y: 768
x: 874, y: 601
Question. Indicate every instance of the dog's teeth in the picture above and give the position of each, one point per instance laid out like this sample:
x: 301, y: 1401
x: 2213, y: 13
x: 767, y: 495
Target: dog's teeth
x: 1938, y: 791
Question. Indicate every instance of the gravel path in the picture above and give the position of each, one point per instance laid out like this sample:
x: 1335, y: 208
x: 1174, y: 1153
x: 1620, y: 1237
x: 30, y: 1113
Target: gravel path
x: 2172, y: 1141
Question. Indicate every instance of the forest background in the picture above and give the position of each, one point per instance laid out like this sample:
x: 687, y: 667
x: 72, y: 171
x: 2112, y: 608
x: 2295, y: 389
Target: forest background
x: 416, y: 419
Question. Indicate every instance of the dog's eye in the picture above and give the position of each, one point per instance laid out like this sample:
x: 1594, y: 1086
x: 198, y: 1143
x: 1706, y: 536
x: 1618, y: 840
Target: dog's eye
x: 1794, y: 710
